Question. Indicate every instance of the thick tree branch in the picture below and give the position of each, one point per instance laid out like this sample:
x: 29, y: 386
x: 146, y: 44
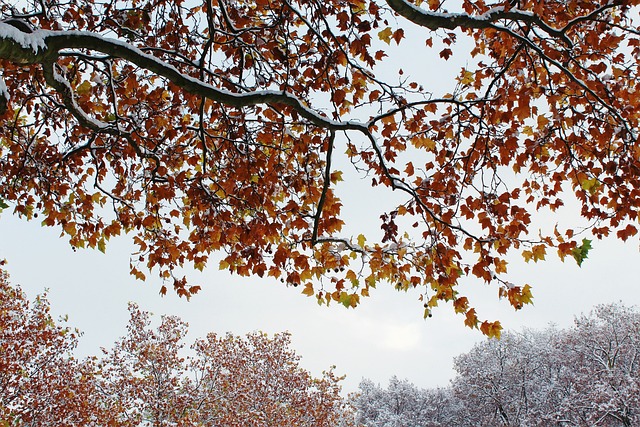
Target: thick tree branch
x: 42, y: 46
x: 450, y: 21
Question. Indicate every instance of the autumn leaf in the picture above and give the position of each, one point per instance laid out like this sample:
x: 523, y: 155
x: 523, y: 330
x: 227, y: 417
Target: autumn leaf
x: 491, y: 329
x: 628, y: 231
x: 591, y: 185
x: 398, y: 35
x: 84, y: 88
x: 461, y: 305
x: 466, y: 77
x: 446, y: 53
x: 580, y: 253
x: 385, y: 35
x: 308, y: 290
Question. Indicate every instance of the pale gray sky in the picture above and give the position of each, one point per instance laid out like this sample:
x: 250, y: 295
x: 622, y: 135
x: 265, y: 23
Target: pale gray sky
x: 385, y: 336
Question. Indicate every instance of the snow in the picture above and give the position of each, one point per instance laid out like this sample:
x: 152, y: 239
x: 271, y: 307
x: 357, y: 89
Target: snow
x: 222, y: 92
x: 34, y: 41
x: 4, y: 93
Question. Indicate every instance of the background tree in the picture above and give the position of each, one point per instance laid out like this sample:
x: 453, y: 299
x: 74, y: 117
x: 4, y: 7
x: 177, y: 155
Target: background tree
x: 145, y: 380
x: 215, y: 127
x: 514, y: 381
x: 584, y: 376
x: 41, y: 384
x: 231, y: 371
x: 402, y: 404
x: 605, y: 351
x: 231, y: 381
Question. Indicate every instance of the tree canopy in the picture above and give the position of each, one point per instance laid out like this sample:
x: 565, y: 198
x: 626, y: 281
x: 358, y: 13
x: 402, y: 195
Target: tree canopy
x: 215, y: 127
x: 145, y: 379
x: 586, y: 375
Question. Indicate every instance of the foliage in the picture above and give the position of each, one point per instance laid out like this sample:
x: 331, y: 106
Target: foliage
x: 144, y: 380
x: 215, y: 127
x: 588, y: 375
x: 404, y: 405
x: 41, y: 384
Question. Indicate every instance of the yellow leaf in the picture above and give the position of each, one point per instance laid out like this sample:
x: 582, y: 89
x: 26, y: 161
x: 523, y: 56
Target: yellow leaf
x: 590, y: 185
x: 501, y: 265
x: 101, y: 245
x: 526, y: 297
x: 306, y: 274
x: 385, y: 35
x: 84, y: 88
x: 70, y: 228
x: 491, y: 329
x: 539, y: 252
x: 542, y: 121
x: 308, y: 290
x: 361, y: 240
x: 466, y: 77
x: 351, y: 276
x: 358, y: 6
x: 424, y: 142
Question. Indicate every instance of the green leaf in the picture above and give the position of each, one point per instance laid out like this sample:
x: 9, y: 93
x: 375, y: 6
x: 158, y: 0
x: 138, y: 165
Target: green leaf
x: 102, y: 245
x: 345, y: 299
x: 3, y: 205
x: 581, y: 252
x: 591, y: 185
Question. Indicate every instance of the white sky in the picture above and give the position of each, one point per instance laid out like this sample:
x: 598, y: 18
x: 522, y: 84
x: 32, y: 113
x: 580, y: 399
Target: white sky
x: 385, y: 336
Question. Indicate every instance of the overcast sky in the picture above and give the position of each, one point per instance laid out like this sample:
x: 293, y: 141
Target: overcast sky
x: 385, y: 336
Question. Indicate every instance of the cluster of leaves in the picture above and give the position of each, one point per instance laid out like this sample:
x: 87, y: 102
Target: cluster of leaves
x: 40, y: 382
x: 145, y: 380
x: 586, y: 376
x: 210, y: 127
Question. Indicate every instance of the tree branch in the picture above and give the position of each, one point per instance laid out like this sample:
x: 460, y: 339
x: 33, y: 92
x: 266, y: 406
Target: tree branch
x: 44, y: 46
x: 450, y: 21
x: 58, y: 40
x: 325, y: 188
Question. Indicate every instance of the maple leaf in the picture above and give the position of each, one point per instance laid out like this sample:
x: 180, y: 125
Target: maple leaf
x: 491, y: 329
x: 580, y: 253
x: 385, y: 35
x: 446, y: 53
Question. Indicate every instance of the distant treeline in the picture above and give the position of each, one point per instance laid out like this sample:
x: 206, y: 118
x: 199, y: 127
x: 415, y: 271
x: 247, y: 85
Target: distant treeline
x: 588, y: 375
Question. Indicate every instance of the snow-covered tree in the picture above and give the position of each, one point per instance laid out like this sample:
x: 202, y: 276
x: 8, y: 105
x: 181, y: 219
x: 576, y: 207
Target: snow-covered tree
x: 402, y: 404
x: 603, y: 352
x: 41, y: 384
x: 588, y: 375
x: 146, y: 379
